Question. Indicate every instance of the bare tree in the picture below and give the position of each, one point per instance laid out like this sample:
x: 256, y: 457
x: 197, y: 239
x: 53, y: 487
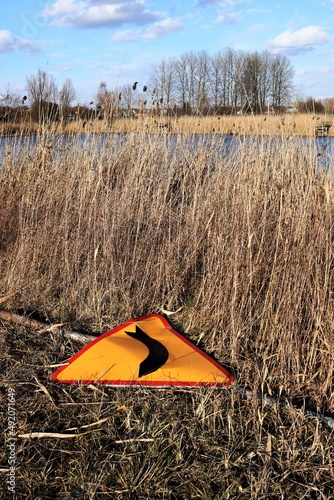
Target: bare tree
x: 10, y: 99
x: 310, y: 105
x: 192, y: 79
x: 225, y: 80
x: 67, y: 95
x: 107, y: 102
x: 329, y: 105
x: 229, y: 81
x: 232, y: 65
x: 186, y: 81
x: 181, y: 82
x: 216, y: 82
x: 162, y: 83
x: 125, y: 98
x: 265, y: 82
x: 10, y: 105
x: 202, y: 85
x: 251, y: 80
x: 43, y: 93
x: 281, y: 80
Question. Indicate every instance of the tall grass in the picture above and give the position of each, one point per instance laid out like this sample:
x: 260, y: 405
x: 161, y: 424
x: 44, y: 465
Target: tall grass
x: 239, y: 243
x: 242, y: 242
x: 288, y: 124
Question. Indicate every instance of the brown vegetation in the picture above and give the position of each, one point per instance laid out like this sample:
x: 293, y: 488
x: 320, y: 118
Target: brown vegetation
x: 280, y: 125
x: 240, y: 244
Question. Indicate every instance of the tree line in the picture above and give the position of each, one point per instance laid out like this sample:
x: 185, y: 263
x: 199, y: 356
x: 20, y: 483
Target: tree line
x: 227, y: 82
x: 47, y: 101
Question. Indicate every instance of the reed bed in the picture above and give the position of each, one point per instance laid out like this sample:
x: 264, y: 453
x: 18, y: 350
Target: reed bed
x: 267, y: 124
x: 273, y: 125
x: 240, y: 244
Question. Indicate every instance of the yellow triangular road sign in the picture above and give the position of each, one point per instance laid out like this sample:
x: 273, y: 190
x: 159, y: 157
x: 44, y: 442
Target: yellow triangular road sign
x: 143, y: 351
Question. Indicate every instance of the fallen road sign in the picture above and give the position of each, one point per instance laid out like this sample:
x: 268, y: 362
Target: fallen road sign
x: 143, y: 351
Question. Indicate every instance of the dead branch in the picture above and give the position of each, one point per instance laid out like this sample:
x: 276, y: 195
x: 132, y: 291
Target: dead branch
x: 45, y: 327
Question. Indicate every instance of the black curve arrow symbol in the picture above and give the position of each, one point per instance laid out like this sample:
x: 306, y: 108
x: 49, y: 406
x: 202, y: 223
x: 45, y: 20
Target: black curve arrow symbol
x: 157, y: 355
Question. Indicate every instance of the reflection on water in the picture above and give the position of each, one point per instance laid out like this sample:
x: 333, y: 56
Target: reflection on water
x: 224, y: 145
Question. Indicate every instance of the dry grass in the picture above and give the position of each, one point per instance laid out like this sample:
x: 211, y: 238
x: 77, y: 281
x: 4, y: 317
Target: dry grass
x: 290, y: 124
x: 94, y: 235
x: 282, y: 125
x: 18, y: 128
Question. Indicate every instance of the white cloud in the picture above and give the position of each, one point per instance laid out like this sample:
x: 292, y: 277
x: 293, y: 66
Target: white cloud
x: 61, y: 7
x: 156, y: 30
x: 11, y: 43
x: 225, y: 8
x: 220, y: 3
x: 227, y: 18
x: 303, y: 40
x: 99, y: 13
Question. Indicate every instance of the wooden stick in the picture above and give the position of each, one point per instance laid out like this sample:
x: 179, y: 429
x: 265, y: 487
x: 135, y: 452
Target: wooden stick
x: 134, y: 440
x: 93, y: 424
x: 22, y: 320
x: 57, y: 435
x: 44, y: 327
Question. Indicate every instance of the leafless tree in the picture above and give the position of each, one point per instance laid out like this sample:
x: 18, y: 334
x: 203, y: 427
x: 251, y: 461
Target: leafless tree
x: 256, y: 81
x: 202, y: 85
x: 216, y: 82
x: 43, y: 94
x: 107, y: 102
x: 127, y: 97
x: 181, y: 82
x: 192, y: 79
x: 186, y: 81
x: 10, y: 105
x: 162, y: 83
x: 67, y: 95
x: 231, y: 68
x: 229, y: 81
x: 329, y: 105
x: 281, y: 81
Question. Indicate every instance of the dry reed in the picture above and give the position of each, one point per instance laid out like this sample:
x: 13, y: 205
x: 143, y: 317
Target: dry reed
x: 277, y: 125
x: 281, y: 125
x: 92, y: 235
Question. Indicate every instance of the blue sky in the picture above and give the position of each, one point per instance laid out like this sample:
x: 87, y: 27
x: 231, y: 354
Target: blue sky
x: 117, y: 41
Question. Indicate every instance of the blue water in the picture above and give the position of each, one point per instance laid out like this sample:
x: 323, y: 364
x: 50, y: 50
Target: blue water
x: 224, y: 145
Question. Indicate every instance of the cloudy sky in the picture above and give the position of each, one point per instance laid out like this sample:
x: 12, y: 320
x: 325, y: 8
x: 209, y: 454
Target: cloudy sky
x: 117, y: 41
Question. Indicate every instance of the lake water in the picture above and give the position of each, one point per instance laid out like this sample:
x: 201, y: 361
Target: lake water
x: 225, y: 145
